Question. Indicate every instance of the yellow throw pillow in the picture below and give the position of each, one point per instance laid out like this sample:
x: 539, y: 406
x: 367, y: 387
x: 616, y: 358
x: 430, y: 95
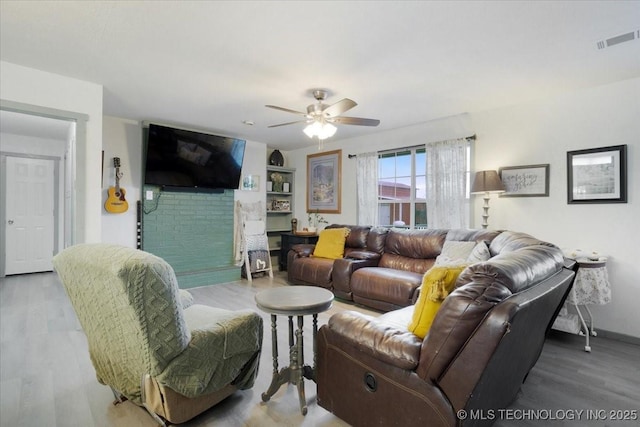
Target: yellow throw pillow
x: 331, y: 243
x: 437, y: 284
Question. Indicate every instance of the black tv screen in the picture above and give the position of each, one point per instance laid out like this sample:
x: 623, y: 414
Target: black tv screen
x: 183, y: 159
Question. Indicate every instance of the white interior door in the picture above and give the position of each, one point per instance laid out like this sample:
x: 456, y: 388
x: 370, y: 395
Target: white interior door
x: 29, y: 215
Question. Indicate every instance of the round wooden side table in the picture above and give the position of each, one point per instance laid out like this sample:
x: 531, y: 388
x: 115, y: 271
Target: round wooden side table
x: 293, y: 301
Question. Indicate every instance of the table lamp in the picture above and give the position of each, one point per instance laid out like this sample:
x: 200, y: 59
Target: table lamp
x: 486, y: 182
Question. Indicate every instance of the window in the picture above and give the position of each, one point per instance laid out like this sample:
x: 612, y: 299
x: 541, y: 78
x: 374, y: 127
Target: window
x: 402, y: 185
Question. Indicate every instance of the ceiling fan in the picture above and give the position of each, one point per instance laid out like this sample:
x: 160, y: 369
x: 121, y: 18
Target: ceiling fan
x: 321, y: 117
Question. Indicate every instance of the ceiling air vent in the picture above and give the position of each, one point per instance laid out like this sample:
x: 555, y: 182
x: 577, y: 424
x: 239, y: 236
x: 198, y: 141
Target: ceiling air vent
x: 633, y: 35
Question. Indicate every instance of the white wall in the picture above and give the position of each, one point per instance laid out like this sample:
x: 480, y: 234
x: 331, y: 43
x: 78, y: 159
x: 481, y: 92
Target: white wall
x: 254, y: 163
x: 540, y: 132
x: 123, y: 138
x: 31, y: 145
x: 543, y: 132
x: 43, y: 89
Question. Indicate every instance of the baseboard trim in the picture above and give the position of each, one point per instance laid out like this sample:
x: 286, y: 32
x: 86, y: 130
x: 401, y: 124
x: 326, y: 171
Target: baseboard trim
x: 618, y: 337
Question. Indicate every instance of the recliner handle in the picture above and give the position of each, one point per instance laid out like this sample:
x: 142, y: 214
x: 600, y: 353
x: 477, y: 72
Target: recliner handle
x: 370, y: 382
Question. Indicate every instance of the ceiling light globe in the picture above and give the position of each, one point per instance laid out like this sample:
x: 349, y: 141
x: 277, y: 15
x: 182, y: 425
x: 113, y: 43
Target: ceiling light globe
x: 313, y: 129
x: 327, y: 131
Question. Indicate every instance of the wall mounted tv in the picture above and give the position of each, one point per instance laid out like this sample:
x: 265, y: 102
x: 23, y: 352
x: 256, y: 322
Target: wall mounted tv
x: 184, y: 160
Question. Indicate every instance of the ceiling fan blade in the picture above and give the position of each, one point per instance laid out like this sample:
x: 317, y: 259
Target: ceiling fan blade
x: 339, y: 107
x: 288, y: 123
x: 355, y: 121
x: 287, y: 110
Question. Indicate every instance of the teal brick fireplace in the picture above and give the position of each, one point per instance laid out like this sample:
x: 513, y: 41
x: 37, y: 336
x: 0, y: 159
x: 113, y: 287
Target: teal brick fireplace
x: 193, y: 232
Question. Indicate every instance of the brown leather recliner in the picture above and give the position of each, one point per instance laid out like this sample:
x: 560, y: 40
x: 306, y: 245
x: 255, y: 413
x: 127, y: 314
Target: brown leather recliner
x: 395, y: 280
x: 407, y: 254
x: 362, y: 243
x: 483, y: 342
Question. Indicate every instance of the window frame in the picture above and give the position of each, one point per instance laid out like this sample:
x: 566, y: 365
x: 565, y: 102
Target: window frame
x: 413, y: 200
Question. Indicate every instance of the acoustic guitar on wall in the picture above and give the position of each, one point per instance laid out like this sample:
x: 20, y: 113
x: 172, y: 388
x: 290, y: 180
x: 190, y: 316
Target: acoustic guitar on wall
x: 116, y: 203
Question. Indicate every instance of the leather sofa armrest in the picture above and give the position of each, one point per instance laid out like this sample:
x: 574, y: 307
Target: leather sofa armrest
x: 397, y: 347
x: 570, y: 264
x: 343, y: 268
x: 364, y: 255
x: 303, y: 250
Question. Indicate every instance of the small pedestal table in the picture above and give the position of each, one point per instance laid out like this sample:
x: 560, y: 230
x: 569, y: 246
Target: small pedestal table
x: 293, y: 301
x: 591, y: 286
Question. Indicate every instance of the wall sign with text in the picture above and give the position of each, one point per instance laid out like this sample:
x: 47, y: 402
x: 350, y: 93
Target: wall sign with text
x: 525, y: 181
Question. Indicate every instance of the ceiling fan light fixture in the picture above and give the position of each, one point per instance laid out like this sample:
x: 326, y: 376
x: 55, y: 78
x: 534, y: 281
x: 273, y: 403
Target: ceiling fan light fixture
x: 320, y: 130
x: 328, y: 130
x: 320, y: 117
x: 312, y: 129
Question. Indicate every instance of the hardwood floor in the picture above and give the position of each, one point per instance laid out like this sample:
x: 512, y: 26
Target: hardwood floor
x: 46, y: 377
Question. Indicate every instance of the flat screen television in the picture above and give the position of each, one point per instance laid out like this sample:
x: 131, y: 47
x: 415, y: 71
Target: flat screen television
x: 185, y: 160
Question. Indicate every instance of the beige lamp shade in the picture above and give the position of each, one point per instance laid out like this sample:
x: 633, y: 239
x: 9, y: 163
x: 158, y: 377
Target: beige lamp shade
x: 487, y: 182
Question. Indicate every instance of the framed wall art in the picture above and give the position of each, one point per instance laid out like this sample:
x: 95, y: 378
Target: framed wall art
x: 251, y: 183
x: 323, y: 182
x: 597, y: 175
x: 525, y: 181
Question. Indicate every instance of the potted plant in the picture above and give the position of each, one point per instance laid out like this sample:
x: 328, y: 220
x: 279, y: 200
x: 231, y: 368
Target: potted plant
x: 315, y: 219
x: 277, y: 180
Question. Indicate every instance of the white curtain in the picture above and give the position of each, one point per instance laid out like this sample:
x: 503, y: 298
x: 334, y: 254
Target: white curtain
x: 447, y: 203
x: 367, y: 188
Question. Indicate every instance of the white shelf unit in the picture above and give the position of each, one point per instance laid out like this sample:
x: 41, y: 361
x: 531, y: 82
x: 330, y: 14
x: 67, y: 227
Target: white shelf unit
x: 278, y: 216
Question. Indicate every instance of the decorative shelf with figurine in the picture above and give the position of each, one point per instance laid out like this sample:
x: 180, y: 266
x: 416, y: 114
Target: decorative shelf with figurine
x: 280, y: 204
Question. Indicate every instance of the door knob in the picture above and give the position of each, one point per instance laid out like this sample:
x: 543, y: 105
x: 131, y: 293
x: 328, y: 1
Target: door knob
x: 10, y: 221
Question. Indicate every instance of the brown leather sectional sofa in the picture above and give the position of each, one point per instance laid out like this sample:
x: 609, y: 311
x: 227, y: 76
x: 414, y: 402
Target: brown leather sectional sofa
x: 484, y: 340
x: 381, y: 268
x: 363, y: 247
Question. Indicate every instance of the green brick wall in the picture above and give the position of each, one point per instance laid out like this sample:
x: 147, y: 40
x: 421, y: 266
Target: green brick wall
x: 193, y: 232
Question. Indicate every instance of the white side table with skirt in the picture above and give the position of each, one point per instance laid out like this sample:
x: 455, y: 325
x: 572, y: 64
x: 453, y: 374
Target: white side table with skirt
x: 591, y: 286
